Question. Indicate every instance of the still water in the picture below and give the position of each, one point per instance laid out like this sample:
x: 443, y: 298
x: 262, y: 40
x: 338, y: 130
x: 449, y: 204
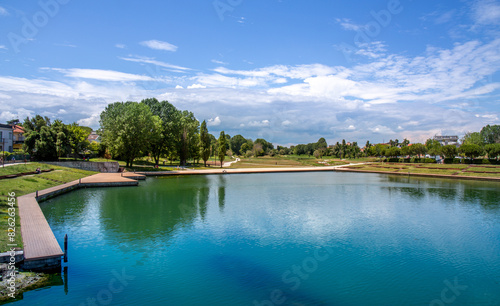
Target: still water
x: 279, y: 239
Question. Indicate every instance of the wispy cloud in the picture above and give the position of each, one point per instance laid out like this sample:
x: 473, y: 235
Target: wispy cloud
x: 102, y: 75
x: 486, y: 12
x: 349, y: 25
x: 3, y: 11
x: 120, y: 46
x: 159, y: 45
x: 3, y: 47
x: 219, y: 62
x: 152, y: 61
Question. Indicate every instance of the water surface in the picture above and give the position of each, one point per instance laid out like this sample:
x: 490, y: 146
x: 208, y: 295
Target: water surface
x: 293, y: 238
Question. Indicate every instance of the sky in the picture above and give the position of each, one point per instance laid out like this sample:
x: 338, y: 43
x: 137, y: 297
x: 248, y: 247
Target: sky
x: 289, y: 71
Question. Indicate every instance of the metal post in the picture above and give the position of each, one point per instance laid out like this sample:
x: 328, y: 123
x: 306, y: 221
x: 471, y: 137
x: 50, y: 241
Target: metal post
x: 79, y: 181
x: 66, y: 248
x: 37, y: 193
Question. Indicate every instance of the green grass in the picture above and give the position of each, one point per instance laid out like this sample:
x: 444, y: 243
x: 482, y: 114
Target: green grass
x: 458, y: 170
x: 28, y: 184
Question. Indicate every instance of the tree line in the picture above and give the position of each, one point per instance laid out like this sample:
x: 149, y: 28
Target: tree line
x: 130, y: 130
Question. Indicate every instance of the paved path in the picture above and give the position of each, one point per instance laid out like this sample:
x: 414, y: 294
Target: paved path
x: 245, y: 170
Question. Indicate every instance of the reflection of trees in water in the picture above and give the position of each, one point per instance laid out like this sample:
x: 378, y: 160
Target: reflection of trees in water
x: 157, y: 209
x: 487, y: 194
x: 222, y: 193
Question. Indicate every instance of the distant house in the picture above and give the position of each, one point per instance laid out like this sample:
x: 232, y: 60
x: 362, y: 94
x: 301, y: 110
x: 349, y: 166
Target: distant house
x: 447, y: 140
x: 6, y: 138
x: 93, y: 137
x: 18, y: 137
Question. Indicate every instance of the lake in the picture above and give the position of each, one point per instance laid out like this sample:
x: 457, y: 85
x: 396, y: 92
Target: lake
x: 318, y: 238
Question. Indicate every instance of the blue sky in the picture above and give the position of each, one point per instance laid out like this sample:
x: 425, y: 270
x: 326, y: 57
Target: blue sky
x: 288, y: 71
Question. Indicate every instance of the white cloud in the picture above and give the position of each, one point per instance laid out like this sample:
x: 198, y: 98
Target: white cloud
x: 102, y: 75
x: 120, y: 46
x: 179, y: 87
x: 219, y: 62
x: 3, y: 11
x: 196, y: 86
x: 92, y: 121
x: 62, y: 111
x: 486, y: 12
x: 159, y: 45
x: 262, y: 123
x: 152, y: 61
x: 380, y: 129
x: 214, y: 121
x: 286, y: 123
x: 3, y: 47
x: 348, y: 25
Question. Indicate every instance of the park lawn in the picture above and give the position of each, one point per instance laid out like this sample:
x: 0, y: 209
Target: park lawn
x: 480, y: 174
x: 414, y: 168
x: 28, y: 184
x: 30, y: 167
x: 496, y: 169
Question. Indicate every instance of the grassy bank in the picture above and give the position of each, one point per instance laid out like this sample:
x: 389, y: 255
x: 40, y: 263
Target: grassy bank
x: 28, y: 184
x: 439, y: 169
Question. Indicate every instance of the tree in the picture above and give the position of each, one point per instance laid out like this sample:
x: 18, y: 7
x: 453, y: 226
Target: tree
x: 449, y: 151
x: 393, y: 152
x: 493, y: 150
x: 128, y: 128
x: 321, y: 144
x: 471, y: 150
x: 167, y: 140
x: 490, y: 134
x: 188, y: 136
x: 204, y: 143
x: 77, y: 137
x: 473, y: 138
x: 236, y: 143
x: 257, y: 149
x: 433, y: 147
x: 418, y: 149
x: 222, y: 147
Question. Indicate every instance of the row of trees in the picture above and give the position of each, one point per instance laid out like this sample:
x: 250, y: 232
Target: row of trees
x: 158, y: 129
x: 46, y: 140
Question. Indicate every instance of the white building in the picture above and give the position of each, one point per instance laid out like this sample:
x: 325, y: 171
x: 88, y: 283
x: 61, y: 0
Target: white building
x: 447, y: 140
x: 6, y: 137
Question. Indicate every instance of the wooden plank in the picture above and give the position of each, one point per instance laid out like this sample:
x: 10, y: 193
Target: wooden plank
x: 38, y: 239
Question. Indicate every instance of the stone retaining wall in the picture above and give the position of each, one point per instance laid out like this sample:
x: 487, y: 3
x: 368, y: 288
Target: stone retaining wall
x: 104, y: 167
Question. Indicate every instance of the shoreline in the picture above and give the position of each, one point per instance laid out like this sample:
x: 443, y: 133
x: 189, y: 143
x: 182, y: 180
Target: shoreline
x: 340, y: 168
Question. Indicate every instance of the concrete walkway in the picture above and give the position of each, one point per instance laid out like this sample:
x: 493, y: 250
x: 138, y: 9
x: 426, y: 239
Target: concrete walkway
x: 245, y: 170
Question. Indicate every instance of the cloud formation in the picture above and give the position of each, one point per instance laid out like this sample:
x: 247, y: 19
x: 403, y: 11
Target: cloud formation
x: 159, y: 45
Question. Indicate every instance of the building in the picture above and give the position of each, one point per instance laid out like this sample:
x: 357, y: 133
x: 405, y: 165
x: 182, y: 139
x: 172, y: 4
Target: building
x: 6, y: 143
x: 18, y: 140
x: 447, y: 140
x: 93, y: 137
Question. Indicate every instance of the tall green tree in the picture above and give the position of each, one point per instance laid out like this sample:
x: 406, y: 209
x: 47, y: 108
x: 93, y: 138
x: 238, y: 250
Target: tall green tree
x: 222, y: 147
x: 127, y: 128
x: 433, y: 147
x: 204, y: 143
x: 449, y: 151
x: 490, y: 134
x: 236, y: 142
x: 167, y: 141
x: 493, y: 150
x: 473, y: 138
x: 188, y: 138
x: 471, y: 150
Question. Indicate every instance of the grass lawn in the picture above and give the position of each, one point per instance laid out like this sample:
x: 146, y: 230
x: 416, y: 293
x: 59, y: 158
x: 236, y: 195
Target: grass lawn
x: 459, y: 170
x: 28, y: 184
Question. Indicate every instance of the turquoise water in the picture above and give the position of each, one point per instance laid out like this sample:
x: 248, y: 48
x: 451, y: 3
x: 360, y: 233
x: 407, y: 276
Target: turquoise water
x: 279, y: 239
